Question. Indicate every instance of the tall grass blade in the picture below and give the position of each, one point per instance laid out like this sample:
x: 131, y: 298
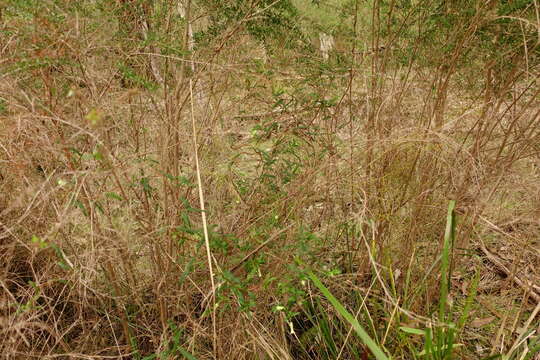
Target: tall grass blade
x: 445, y: 259
x: 375, y: 349
x: 469, y: 301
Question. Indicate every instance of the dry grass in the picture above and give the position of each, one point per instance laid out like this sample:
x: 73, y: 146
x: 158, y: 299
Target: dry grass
x: 102, y: 247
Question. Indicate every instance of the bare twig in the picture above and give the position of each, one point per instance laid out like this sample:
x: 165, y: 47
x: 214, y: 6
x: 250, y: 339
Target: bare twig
x: 528, y: 286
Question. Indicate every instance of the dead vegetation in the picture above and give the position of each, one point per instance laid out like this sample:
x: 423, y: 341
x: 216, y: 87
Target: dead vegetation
x: 347, y: 164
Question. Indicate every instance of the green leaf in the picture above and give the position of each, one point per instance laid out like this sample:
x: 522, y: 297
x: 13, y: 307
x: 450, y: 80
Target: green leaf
x: 38, y: 241
x: 412, y: 330
x: 186, y: 354
x: 145, y: 183
x: 534, y: 349
x: 113, y: 195
x: 94, y: 117
x: 188, y: 207
x: 97, y: 155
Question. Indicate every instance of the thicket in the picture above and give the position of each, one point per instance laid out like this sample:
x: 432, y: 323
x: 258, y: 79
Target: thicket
x: 192, y: 179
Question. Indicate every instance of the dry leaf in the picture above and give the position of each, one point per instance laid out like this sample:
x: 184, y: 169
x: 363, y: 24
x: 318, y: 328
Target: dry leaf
x: 482, y: 322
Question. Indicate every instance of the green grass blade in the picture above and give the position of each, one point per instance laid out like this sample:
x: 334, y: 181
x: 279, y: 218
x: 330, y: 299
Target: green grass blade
x: 375, y: 349
x: 412, y: 330
x: 469, y: 301
x: 445, y: 259
x: 437, y: 351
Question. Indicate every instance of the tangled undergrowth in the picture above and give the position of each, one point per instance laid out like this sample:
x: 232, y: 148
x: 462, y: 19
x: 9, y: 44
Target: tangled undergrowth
x: 194, y: 180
